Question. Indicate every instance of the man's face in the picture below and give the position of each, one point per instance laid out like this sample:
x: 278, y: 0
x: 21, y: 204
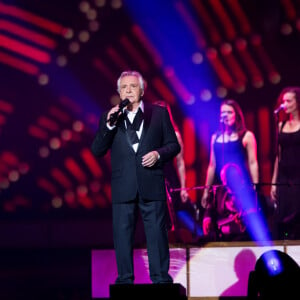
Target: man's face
x: 130, y: 88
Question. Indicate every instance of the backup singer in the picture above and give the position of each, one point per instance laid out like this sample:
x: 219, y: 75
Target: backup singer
x: 285, y: 190
x: 232, y: 143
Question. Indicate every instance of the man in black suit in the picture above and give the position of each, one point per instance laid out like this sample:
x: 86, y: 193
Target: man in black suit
x: 141, y: 139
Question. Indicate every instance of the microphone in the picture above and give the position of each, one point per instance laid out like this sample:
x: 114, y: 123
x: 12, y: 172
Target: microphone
x: 282, y: 106
x: 223, y: 118
x: 113, y: 117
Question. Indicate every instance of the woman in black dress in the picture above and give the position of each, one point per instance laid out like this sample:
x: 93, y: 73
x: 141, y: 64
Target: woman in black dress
x: 285, y: 189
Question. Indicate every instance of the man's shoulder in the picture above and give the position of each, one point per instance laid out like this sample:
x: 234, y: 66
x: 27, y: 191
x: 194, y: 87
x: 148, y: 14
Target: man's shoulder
x: 160, y: 105
x: 155, y: 107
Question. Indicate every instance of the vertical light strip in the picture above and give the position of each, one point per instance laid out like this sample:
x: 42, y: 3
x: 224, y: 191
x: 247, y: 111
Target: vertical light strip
x: 189, y: 144
x: 264, y: 147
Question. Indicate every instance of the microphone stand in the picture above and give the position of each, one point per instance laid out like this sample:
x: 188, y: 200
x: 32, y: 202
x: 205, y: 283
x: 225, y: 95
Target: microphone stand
x: 278, y: 158
x: 277, y: 143
x: 223, y: 143
x: 222, y: 120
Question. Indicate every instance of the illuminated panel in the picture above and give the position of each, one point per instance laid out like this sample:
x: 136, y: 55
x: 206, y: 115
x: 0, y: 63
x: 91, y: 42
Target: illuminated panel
x: 160, y: 86
x: 265, y: 60
x: 57, y: 113
x: 239, y: 13
x: 47, y: 123
x: 207, y: 20
x: 224, y: 18
x: 17, y: 63
x: 148, y: 46
x: 5, y: 109
x: 132, y: 51
x: 26, y: 50
x: 220, y: 69
x: 46, y: 185
x: 75, y: 169
x: 30, y: 35
x: 91, y: 162
x: 105, y: 70
x: 194, y: 28
x: 117, y: 58
x: 24, y: 15
x: 289, y: 9
x: 59, y: 176
x: 2, y: 119
x: 86, y: 201
x: 38, y: 132
x: 256, y: 76
x: 178, y: 86
x: 19, y: 40
x: 232, y: 63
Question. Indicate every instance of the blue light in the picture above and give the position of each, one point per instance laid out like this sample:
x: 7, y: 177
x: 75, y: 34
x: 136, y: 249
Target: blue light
x: 273, y: 263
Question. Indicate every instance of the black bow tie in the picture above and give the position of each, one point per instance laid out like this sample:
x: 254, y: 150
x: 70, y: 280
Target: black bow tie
x: 133, y: 127
x: 137, y: 121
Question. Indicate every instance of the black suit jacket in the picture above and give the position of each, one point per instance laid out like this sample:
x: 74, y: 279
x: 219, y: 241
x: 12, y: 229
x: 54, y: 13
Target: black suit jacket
x: 128, y: 174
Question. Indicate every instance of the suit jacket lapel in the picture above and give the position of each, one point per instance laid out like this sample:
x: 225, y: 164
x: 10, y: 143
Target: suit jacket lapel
x: 122, y: 127
x: 147, y: 118
x: 121, y: 122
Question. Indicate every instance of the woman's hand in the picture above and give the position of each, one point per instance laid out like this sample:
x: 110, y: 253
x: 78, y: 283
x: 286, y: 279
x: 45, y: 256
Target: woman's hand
x: 204, y: 199
x: 207, y: 226
x: 273, y: 193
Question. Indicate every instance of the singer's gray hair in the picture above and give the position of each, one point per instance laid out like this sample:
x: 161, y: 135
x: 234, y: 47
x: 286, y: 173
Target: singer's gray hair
x: 131, y: 73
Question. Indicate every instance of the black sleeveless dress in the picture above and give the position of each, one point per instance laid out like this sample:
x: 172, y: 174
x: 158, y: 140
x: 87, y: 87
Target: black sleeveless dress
x: 288, y: 180
x: 231, y: 152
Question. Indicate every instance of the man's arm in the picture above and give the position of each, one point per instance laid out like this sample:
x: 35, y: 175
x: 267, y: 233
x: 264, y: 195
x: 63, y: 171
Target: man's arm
x: 103, y: 138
